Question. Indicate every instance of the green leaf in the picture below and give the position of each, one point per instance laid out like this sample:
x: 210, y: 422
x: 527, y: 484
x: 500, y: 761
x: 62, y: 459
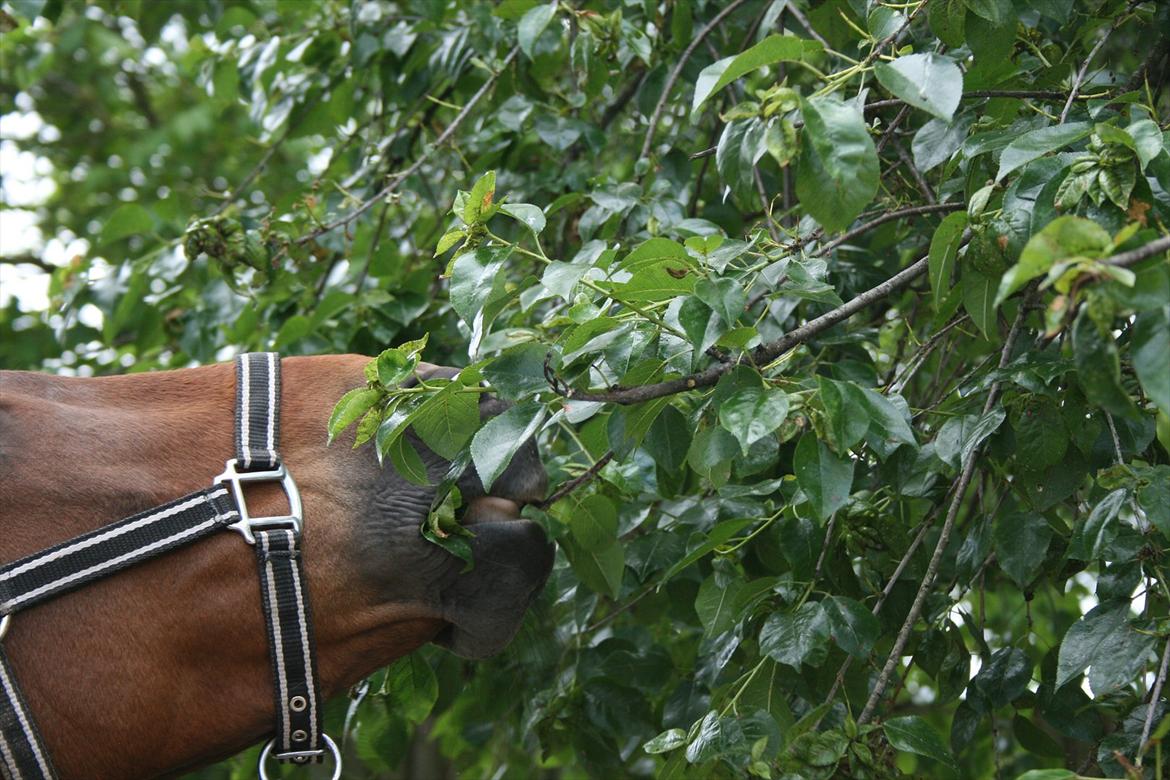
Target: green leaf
x: 668, y: 439
x: 650, y: 285
x: 711, y: 453
x: 1098, y: 530
x: 1041, y: 438
x: 655, y: 252
x: 995, y: 11
x: 1063, y: 238
x: 1049, y: 774
x: 1147, y: 140
x: 532, y: 24
x: 518, y: 371
x: 911, y: 734
x: 447, y: 420
x: 853, y: 627
x: 1105, y: 640
x: 846, y: 413
x: 448, y: 240
x: 752, y: 413
x: 628, y: 425
x: 593, y: 521
x: 601, y: 570
x: 1001, y: 679
x: 1099, y: 366
x: 499, y: 439
x: 979, y: 301
x: 716, y: 604
x: 946, y: 19
x: 530, y: 216
x: 1038, y: 143
x: 928, y: 81
x: 1150, y: 352
x: 823, y: 476
x: 1021, y: 543
x: 406, y: 461
x: 886, y: 420
x: 837, y: 172
x: 774, y: 48
x: 129, y: 219
x: 395, y: 366
x: 350, y: 407
x: 795, y: 638
x: 411, y: 687
x: 724, y: 296
x: 718, y: 535
x: 944, y: 249
x: 473, y: 275
x: 666, y: 741
x: 478, y: 206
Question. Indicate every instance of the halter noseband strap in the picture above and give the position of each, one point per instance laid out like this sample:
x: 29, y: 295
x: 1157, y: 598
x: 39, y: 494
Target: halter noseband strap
x: 283, y: 587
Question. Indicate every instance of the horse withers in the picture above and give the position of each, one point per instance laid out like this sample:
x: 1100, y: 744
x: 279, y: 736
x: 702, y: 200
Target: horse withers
x: 164, y: 666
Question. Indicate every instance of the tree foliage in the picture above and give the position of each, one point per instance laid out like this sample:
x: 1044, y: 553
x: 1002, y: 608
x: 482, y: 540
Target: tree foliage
x: 844, y: 327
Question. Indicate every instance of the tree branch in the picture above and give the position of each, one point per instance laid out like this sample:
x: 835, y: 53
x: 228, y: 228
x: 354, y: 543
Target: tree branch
x: 765, y: 353
x: 573, y: 484
x: 1159, y: 681
x: 397, y: 179
x: 656, y: 117
x: 1134, y: 256
x: 1080, y: 77
x: 889, y: 216
x: 944, y: 536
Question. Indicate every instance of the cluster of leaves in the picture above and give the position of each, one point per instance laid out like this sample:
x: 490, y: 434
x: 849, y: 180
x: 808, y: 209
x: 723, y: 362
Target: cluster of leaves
x: 849, y: 323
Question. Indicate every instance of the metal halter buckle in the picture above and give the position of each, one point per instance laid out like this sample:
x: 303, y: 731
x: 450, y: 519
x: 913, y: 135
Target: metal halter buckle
x: 247, y: 523
x: 4, y: 621
x: 330, y: 748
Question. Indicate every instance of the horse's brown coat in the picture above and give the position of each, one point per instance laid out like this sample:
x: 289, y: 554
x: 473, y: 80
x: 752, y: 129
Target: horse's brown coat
x: 165, y: 666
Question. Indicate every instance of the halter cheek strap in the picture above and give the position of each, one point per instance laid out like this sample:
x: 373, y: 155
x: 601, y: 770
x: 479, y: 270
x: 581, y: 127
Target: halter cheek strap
x: 283, y: 587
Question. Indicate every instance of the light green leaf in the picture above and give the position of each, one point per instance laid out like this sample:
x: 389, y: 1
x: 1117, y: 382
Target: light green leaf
x: 752, y: 413
x: 774, y: 48
x: 654, y: 252
x: 837, y: 172
x: 478, y: 206
x: 944, y: 249
x: 473, y: 274
x: 666, y: 741
x: 979, y: 301
x: 912, y: 734
x: 1038, y: 143
x: 1147, y: 140
x: 1098, y: 530
x: 412, y: 687
x: 1063, y: 238
x: 127, y: 220
x: 532, y: 24
x: 446, y: 420
x: 531, y: 216
x: 716, y: 604
x: 823, y: 476
x: 350, y: 407
x: 928, y: 81
x: 497, y: 441
x: 1151, y: 355
x: 601, y: 570
x: 593, y: 521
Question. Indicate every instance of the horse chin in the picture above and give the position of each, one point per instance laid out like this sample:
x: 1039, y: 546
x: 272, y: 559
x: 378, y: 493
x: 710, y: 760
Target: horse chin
x: 486, y: 605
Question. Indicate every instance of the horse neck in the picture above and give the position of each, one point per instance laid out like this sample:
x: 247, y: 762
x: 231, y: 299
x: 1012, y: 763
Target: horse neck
x: 171, y: 654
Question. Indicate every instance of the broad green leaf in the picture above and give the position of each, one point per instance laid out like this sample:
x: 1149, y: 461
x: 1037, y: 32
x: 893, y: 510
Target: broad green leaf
x: 518, y: 371
x: 944, y: 249
x: 946, y: 18
x: 1041, y: 438
x: 724, y: 296
x: 496, y: 442
x: 1151, y: 355
x: 628, y: 425
x: 853, y: 627
x: 668, y: 439
x: 823, y: 476
x: 395, y: 366
x: 532, y: 24
x: 1038, y: 143
x: 837, y: 172
x: 716, y: 604
x: 1099, y: 366
x: 412, y: 687
x: 447, y: 420
x: 1099, y: 529
x: 1021, y: 544
x: 530, y: 216
x: 654, y: 252
x: 774, y: 48
x: 886, y: 420
x: 711, y: 453
x: 846, y: 413
x: 659, y: 283
x: 406, y: 460
x: 1147, y: 140
x: 979, y: 301
x: 718, y: 535
x: 995, y: 11
x: 1001, y: 679
x: 912, y: 734
x: 593, y: 521
x: 448, y: 240
x: 129, y: 219
x: 350, y: 407
x: 666, y: 741
x: 960, y: 436
x: 478, y: 206
x: 795, y: 638
x: 1063, y: 238
x: 601, y: 570
x: 473, y: 274
x: 1105, y: 640
x: 1049, y: 774
x: 752, y: 413
x: 928, y: 81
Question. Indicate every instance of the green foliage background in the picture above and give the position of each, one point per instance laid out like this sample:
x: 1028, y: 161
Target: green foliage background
x: 858, y: 312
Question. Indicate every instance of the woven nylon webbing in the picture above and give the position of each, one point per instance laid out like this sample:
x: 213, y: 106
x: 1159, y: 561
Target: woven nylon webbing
x: 257, y: 410
x: 22, y: 753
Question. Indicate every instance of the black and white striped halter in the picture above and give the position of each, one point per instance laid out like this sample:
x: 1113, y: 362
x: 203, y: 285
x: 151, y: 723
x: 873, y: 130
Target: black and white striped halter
x: 283, y: 588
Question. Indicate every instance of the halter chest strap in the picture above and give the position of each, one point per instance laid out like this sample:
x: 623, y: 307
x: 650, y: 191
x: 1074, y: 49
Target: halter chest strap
x: 283, y: 587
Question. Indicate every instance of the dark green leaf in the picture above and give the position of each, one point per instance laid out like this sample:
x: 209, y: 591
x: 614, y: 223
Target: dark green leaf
x: 853, y: 627
x: 837, y: 173
x: 911, y: 734
x: 823, y: 476
x: 928, y: 81
x: 497, y: 441
x: 794, y: 638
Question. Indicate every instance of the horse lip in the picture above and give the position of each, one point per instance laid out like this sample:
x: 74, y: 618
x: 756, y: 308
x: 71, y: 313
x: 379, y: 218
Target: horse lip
x: 490, y: 508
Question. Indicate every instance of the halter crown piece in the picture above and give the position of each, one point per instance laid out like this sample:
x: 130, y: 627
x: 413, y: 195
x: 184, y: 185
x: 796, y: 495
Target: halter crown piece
x: 283, y: 588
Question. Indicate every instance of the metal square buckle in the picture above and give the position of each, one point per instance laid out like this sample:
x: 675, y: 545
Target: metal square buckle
x: 247, y: 523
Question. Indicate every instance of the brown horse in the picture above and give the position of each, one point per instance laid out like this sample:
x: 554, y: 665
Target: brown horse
x: 164, y: 667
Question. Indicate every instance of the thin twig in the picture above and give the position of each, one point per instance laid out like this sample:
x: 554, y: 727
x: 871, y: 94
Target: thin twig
x: 1133, y: 256
x: 889, y: 216
x: 761, y: 355
x: 804, y: 22
x: 573, y: 484
x: 944, y: 538
x: 1080, y: 77
x: 825, y: 546
x: 908, y: 161
x: 417, y: 164
x: 1159, y: 681
x: 656, y: 117
x: 1116, y: 440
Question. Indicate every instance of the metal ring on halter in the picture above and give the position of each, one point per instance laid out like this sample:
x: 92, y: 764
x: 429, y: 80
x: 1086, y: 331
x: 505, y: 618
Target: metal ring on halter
x: 331, y: 748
